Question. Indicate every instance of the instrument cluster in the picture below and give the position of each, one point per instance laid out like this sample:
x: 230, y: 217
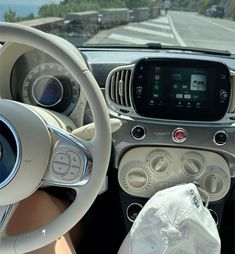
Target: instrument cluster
x: 38, y: 79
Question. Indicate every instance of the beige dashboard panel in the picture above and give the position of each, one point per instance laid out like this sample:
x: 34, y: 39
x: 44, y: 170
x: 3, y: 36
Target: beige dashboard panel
x: 145, y: 170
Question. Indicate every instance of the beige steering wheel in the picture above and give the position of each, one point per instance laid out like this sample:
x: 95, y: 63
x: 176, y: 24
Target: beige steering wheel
x: 34, y: 145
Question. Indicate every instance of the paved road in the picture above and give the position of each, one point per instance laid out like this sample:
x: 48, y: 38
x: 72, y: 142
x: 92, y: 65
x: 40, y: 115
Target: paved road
x: 178, y: 28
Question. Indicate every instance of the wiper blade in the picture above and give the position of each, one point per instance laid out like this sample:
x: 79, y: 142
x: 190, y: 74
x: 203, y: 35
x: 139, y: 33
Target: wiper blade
x: 191, y: 49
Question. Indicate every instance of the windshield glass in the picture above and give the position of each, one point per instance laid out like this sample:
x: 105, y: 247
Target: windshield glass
x: 192, y: 23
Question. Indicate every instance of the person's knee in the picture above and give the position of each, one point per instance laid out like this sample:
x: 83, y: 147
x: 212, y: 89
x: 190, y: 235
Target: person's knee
x: 39, y: 197
x: 33, y: 212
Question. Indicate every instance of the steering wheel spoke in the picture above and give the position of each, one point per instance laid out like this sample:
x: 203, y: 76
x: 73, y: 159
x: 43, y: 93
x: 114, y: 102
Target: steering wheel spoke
x: 71, y: 160
x: 5, y: 216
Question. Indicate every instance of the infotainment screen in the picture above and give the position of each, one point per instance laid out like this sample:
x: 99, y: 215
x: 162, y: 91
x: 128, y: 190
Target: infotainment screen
x: 181, y: 89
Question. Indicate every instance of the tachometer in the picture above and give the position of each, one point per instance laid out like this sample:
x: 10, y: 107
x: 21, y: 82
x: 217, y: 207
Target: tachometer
x: 51, y: 86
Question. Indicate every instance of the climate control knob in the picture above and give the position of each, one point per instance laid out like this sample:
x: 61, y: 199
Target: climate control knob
x: 159, y: 162
x: 135, y: 178
x: 213, y: 183
x: 193, y: 165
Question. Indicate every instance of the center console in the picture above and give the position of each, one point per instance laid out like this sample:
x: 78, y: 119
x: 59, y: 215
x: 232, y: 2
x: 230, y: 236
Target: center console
x: 177, y: 128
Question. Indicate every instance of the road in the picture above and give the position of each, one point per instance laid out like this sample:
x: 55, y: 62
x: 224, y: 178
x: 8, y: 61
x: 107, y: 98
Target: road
x: 177, y: 28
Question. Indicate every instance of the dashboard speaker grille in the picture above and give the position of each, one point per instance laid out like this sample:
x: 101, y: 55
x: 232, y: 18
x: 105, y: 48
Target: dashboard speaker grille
x: 119, y: 87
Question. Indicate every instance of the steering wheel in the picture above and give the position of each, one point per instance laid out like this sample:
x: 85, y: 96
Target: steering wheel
x: 42, y: 153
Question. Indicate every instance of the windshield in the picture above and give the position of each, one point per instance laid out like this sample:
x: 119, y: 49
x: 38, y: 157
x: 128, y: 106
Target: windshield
x: 193, y: 23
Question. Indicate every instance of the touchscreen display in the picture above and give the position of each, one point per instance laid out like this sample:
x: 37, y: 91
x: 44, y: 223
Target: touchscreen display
x: 187, y: 87
x: 181, y: 89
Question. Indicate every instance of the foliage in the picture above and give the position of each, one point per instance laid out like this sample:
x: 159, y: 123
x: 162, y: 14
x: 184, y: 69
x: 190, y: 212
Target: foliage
x: 66, y: 6
x: 138, y: 3
x: 233, y: 11
x: 112, y: 4
x: 204, y: 4
x: 10, y: 16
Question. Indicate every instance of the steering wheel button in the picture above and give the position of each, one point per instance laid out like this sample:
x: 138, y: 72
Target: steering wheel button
x: 62, y: 158
x: 60, y: 168
x: 75, y: 160
x: 72, y: 174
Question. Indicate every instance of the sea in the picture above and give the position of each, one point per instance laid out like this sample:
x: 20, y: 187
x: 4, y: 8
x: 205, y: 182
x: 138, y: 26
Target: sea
x: 20, y: 9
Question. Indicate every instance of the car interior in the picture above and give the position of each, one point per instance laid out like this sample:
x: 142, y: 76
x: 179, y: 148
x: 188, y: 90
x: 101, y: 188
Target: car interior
x: 115, y: 125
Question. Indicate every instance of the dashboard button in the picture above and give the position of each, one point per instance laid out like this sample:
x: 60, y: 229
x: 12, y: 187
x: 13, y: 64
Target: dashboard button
x: 138, y: 132
x: 220, y: 138
x: 223, y: 95
x: 179, y: 135
x: 132, y: 211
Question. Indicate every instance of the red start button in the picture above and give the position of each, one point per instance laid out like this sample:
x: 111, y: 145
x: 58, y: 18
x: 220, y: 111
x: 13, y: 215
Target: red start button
x: 179, y: 135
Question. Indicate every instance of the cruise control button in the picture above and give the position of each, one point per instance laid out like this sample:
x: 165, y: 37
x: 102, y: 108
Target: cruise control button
x: 60, y: 168
x: 72, y: 174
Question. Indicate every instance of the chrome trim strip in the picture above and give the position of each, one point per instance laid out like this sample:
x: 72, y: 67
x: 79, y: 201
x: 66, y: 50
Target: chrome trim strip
x: 5, y: 216
x: 87, y: 159
x: 18, y: 153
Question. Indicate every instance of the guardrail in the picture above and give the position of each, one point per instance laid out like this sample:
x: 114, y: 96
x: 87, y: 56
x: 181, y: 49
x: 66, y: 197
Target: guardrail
x: 87, y: 20
x: 141, y: 14
x: 114, y: 17
x: 78, y: 27
x: 52, y: 24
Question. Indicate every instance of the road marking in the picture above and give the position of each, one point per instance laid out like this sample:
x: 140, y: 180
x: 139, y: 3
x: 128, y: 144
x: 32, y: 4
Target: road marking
x: 163, y: 20
x: 129, y: 39
x: 177, y: 36
x: 216, y: 24
x: 146, y: 23
x: 148, y: 31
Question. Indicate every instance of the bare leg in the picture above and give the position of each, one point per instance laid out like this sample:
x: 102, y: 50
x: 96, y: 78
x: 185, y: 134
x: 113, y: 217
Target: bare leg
x: 38, y: 210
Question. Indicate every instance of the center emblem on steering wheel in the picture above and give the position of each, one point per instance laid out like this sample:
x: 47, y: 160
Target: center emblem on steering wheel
x: 9, y: 152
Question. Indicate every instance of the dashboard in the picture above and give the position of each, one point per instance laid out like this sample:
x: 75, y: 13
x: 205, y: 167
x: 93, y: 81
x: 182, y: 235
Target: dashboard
x: 177, y: 111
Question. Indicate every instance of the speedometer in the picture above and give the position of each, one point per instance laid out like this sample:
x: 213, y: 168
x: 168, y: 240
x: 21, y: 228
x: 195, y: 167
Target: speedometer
x: 47, y: 91
x: 51, y: 86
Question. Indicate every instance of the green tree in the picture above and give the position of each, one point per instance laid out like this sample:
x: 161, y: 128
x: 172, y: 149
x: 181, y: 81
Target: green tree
x: 113, y: 4
x: 233, y: 10
x: 61, y: 9
x: 204, y: 4
x: 10, y: 16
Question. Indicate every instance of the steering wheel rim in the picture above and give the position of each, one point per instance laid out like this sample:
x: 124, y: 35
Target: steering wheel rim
x: 75, y: 64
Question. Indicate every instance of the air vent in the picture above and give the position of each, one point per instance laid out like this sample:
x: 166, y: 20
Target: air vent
x: 118, y: 86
